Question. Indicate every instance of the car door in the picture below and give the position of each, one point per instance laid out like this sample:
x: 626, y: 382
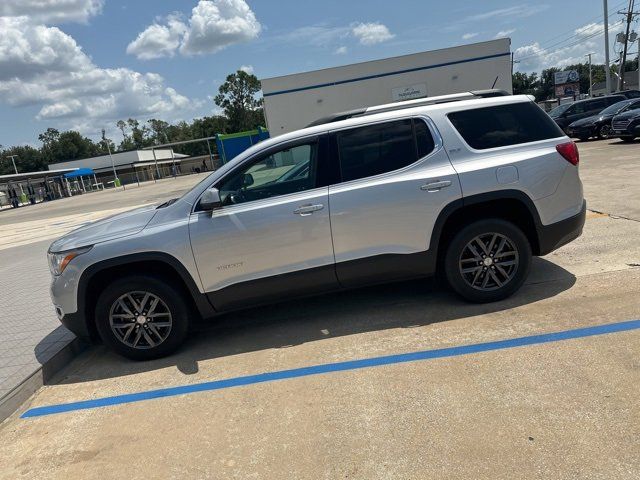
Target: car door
x: 596, y: 106
x: 395, y: 179
x: 271, y: 238
x: 575, y: 112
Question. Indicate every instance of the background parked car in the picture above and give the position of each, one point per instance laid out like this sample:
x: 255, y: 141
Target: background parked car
x: 565, y: 115
x: 629, y: 93
x: 600, y: 125
x: 626, y: 126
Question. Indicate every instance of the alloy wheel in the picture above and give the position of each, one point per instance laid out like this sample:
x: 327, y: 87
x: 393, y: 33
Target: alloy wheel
x: 605, y: 132
x: 489, y: 261
x: 140, y: 320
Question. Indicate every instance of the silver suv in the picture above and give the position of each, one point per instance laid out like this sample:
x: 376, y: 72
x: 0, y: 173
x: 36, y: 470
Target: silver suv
x: 470, y: 185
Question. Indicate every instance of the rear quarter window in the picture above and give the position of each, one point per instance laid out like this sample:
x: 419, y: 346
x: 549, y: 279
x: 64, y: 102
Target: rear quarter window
x: 504, y: 125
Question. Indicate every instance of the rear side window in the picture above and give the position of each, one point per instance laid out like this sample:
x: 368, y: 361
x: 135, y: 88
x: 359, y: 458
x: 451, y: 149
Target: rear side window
x: 504, y: 125
x: 599, y: 104
x: 424, y: 139
x: 383, y: 147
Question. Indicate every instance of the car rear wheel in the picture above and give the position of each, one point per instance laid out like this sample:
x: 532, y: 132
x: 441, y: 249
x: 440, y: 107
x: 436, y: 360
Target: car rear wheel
x: 604, y: 132
x: 142, y: 317
x: 488, y: 260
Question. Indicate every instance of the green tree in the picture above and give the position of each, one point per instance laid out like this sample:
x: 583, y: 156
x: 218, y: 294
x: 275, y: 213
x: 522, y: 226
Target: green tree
x: 237, y: 97
x: 29, y: 159
x: 525, y: 84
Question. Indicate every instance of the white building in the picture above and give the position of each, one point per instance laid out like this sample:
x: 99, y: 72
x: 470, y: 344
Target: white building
x: 294, y: 101
x: 128, y: 159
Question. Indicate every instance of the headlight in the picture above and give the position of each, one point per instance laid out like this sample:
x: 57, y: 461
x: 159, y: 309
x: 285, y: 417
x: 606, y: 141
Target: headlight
x: 59, y: 261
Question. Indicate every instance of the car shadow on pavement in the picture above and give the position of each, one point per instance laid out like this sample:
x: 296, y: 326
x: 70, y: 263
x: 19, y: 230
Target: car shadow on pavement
x: 400, y: 305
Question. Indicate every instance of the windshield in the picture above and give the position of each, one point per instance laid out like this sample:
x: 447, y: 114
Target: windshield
x: 616, y: 107
x: 559, y: 110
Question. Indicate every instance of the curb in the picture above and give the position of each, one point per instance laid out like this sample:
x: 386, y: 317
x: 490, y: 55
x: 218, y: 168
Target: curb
x: 13, y: 400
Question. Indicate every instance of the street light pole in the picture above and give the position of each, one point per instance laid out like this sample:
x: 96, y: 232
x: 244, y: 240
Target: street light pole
x: 113, y: 165
x: 607, y: 74
x: 590, y: 77
x: 13, y: 157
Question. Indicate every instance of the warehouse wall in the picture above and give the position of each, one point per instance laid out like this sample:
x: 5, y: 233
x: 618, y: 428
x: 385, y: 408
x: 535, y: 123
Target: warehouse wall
x: 293, y: 101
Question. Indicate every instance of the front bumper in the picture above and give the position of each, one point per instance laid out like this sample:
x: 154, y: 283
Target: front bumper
x: 584, y: 131
x: 632, y: 130
x: 77, y: 323
x: 551, y: 237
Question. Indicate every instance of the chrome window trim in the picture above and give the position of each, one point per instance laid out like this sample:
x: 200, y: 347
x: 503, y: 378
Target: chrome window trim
x: 250, y: 159
x: 438, y: 145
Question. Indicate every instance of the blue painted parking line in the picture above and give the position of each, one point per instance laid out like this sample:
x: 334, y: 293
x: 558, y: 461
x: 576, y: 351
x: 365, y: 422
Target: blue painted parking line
x: 334, y: 367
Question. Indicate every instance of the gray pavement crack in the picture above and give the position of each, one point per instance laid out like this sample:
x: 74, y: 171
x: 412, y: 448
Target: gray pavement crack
x: 614, y: 217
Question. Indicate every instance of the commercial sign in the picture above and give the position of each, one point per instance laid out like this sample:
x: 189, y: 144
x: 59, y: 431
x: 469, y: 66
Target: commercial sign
x: 408, y: 93
x: 567, y: 90
x: 567, y: 76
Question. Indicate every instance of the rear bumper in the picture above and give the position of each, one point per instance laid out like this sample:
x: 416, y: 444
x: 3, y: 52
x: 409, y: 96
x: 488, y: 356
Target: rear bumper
x: 552, y: 237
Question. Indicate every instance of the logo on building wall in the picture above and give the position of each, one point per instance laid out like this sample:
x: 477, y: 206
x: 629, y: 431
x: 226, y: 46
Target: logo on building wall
x: 408, y: 93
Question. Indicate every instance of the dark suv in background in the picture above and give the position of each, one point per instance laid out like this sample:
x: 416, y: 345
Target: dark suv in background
x: 565, y: 115
x: 626, y: 126
x: 600, y: 125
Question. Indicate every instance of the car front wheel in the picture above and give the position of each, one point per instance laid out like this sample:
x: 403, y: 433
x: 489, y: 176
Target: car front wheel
x: 488, y: 260
x: 142, y: 317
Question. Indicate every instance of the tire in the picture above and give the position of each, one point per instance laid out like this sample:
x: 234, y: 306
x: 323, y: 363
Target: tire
x: 583, y: 139
x: 504, y: 276
x: 604, y: 132
x: 119, y: 319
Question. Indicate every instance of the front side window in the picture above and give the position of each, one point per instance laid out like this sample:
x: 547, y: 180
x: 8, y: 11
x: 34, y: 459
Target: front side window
x: 282, y: 172
x: 383, y: 147
x: 504, y: 125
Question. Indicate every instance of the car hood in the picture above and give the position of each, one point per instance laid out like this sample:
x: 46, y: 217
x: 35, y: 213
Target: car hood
x: 628, y: 115
x: 110, y: 228
x: 591, y: 120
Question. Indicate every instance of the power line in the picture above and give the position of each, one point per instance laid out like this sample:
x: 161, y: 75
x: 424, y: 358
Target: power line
x: 546, y: 44
x: 579, y: 40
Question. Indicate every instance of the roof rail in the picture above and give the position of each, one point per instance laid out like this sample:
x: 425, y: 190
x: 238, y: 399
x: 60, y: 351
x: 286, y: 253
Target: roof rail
x: 419, y: 102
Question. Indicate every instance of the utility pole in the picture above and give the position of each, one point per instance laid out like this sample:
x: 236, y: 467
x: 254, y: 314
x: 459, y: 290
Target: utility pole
x: 629, y: 14
x: 590, y: 76
x: 607, y: 70
x: 13, y: 160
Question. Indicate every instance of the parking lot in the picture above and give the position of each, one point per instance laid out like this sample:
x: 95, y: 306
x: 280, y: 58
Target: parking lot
x: 446, y: 389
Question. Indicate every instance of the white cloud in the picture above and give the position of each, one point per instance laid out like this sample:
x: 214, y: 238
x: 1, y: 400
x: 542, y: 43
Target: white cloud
x: 341, y: 50
x: 213, y: 26
x: 317, y: 35
x: 247, y: 68
x: 159, y: 40
x: 43, y: 66
x: 468, y: 36
x: 517, y: 11
x: 505, y: 33
x: 371, y: 33
x: 52, y: 11
x: 587, y: 39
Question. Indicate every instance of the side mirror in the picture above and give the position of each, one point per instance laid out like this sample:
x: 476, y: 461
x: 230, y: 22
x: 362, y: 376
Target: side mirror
x: 247, y: 180
x: 210, y: 199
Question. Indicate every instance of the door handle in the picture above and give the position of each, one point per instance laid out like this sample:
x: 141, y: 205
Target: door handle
x: 304, y: 210
x: 436, y: 186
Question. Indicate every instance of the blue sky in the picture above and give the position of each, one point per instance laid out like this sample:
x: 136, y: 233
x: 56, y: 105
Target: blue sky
x: 84, y: 64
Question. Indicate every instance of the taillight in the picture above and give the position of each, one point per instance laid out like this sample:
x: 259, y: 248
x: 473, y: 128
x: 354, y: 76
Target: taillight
x: 569, y: 152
